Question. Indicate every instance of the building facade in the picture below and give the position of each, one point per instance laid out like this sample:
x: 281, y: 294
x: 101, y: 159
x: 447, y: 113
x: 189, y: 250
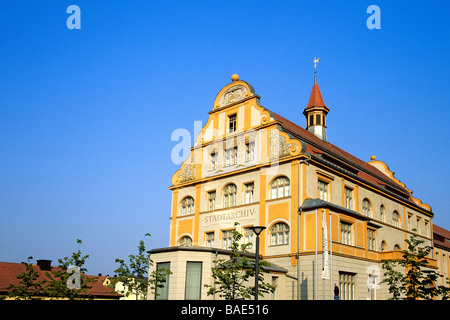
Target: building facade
x: 330, y: 217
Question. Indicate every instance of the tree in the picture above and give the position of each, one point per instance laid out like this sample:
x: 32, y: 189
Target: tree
x: 29, y: 288
x: 231, y: 276
x: 133, y: 275
x: 69, y: 280
x: 417, y: 282
x: 55, y: 285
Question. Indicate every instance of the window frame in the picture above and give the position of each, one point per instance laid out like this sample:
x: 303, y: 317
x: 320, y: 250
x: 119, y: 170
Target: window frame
x: 185, y: 243
x: 323, y: 193
x: 231, y: 156
x: 396, y: 219
x: 186, y: 207
x: 163, y: 293
x: 367, y: 208
x: 211, y: 200
x: 209, y: 240
x: 227, y: 194
x: 346, y: 232
x: 232, y: 123
x: 280, y: 232
x: 227, y: 238
x: 276, y: 185
x: 187, y: 280
x: 347, y: 285
x: 371, y: 239
x: 249, y: 193
x: 348, y: 198
x: 382, y: 213
x: 249, y: 237
x: 250, y: 151
x: 213, y: 163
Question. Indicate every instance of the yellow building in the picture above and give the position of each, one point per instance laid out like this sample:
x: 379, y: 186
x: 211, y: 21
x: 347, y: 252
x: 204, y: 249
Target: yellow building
x: 252, y: 166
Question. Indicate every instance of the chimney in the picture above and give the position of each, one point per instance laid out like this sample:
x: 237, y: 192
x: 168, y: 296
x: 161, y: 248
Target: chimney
x: 45, y: 265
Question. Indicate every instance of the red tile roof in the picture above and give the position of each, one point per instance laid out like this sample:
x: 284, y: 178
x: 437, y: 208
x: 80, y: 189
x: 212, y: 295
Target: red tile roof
x: 318, y: 148
x: 315, y: 99
x: 9, y: 272
x: 441, y: 237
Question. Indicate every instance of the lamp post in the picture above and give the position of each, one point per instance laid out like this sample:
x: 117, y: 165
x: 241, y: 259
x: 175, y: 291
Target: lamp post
x: 257, y: 230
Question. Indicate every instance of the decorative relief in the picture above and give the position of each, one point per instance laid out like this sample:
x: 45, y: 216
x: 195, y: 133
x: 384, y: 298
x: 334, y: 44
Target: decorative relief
x: 279, y: 146
x: 188, y: 172
x: 233, y: 95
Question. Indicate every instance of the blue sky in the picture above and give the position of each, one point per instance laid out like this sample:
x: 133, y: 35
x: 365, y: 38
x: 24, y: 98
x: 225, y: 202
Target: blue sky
x: 86, y: 116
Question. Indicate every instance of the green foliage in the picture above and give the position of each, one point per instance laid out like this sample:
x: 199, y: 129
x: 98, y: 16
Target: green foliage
x: 418, y: 282
x: 54, y: 285
x: 134, y: 275
x: 29, y: 288
x: 57, y: 279
x: 231, y: 276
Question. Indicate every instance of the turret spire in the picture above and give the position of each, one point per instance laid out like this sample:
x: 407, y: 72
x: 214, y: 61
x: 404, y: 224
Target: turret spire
x: 316, y: 110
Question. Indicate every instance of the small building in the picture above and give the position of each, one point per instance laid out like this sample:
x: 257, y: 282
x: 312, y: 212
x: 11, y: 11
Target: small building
x: 10, y: 270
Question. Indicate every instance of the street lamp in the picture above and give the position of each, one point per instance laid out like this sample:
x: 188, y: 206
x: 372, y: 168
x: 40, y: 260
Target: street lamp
x: 257, y: 230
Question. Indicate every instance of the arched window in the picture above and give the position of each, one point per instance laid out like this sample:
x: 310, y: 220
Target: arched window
x: 367, y: 208
x: 382, y: 213
x: 187, y: 206
x: 229, y: 195
x: 397, y: 247
x: 186, y: 241
x: 383, y: 245
x: 280, y: 187
x: 396, y: 219
x: 279, y: 234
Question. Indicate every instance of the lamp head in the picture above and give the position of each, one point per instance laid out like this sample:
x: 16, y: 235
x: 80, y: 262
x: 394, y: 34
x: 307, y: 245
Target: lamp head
x: 257, y: 229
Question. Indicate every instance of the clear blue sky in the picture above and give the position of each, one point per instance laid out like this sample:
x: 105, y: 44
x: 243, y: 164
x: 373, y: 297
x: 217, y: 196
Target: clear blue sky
x: 86, y: 115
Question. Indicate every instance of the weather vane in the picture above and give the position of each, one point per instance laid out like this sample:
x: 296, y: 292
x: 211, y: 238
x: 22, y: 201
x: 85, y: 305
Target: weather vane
x: 315, y: 62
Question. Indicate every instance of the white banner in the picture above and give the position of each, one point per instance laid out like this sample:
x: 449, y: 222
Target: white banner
x: 325, y: 265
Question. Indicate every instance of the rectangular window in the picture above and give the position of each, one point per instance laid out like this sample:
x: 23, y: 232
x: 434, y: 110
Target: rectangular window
x: 231, y: 156
x: 250, y: 151
x: 318, y: 118
x: 227, y: 239
x: 232, y: 123
x: 323, y: 190
x: 211, y: 200
x: 248, y: 237
x: 346, y: 233
x: 311, y: 120
x: 418, y: 226
x: 249, y: 189
x: 346, y: 286
x: 427, y: 228
x: 213, y: 161
x: 210, y: 239
x: 163, y: 293
x: 371, y: 241
x: 348, y: 198
x: 193, y: 286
